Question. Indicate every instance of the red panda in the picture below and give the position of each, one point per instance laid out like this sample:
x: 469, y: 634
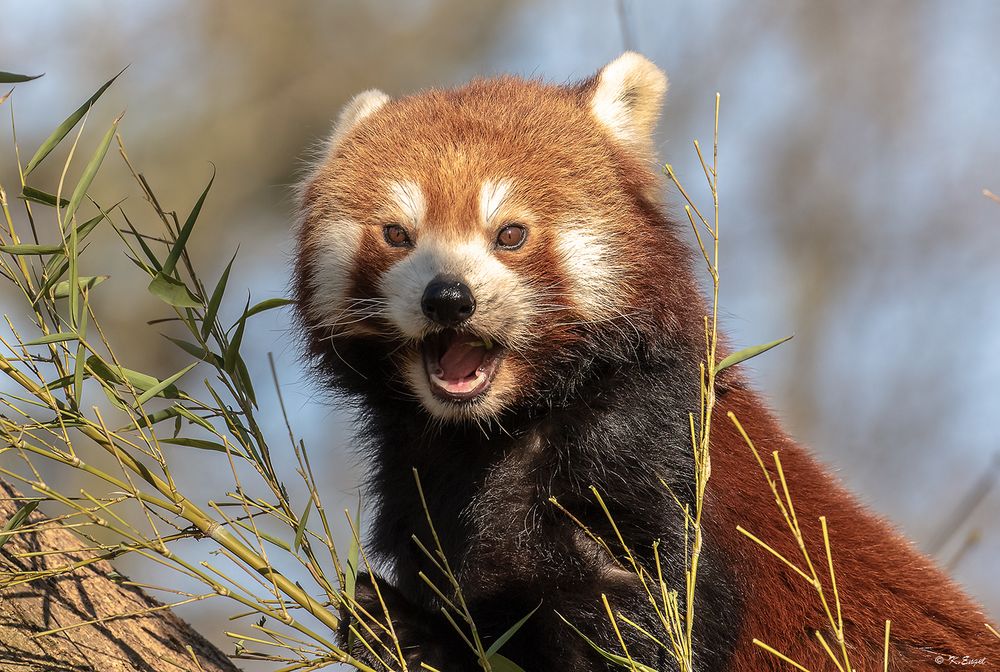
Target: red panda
x: 486, y: 275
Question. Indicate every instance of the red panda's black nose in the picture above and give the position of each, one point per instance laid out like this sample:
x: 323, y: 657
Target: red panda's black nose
x: 448, y: 301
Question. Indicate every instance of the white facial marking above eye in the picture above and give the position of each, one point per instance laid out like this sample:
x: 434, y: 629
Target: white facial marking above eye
x: 492, y: 196
x: 409, y: 198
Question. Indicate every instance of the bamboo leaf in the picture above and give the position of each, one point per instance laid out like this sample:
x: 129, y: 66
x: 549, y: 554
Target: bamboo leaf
x: 200, y: 444
x: 185, y: 232
x: 13, y: 78
x: 162, y: 386
x: 90, y: 171
x: 17, y: 520
x: 613, y: 657
x: 185, y: 413
x: 61, y: 290
x: 153, y: 261
x: 43, y: 197
x: 502, y: 639
x: 244, y: 375
x: 65, y: 127
x: 500, y: 663
x: 27, y: 249
x: 196, y: 351
x: 154, y: 418
x: 213, y: 304
x: 52, y: 338
x: 232, y: 353
x: 747, y: 353
x: 79, y: 362
x: 56, y: 266
x: 173, y: 291
x: 268, y: 304
x: 140, y: 381
x: 300, y: 529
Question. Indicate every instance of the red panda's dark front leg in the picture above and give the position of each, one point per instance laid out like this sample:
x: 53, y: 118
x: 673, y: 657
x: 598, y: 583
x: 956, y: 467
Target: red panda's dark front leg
x: 422, y: 636
x: 585, y: 610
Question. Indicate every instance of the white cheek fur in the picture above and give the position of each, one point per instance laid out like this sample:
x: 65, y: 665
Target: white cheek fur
x: 336, y: 242
x: 587, y: 264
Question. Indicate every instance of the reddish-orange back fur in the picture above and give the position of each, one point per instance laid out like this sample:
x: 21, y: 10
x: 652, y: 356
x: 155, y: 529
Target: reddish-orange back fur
x: 879, y: 573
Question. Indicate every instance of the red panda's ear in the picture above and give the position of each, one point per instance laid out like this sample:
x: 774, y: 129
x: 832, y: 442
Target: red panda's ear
x: 626, y: 97
x: 357, y: 108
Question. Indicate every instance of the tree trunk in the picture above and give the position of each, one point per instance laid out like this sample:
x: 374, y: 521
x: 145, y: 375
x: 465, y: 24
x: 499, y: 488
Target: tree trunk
x: 148, y: 642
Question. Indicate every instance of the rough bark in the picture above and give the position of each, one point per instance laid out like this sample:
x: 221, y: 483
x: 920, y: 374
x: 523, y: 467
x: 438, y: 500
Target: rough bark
x: 149, y: 643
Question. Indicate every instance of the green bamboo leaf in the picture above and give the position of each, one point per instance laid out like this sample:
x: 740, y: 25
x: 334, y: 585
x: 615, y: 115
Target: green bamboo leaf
x: 171, y: 412
x: 162, y: 386
x: 500, y: 663
x: 61, y: 290
x: 13, y: 78
x: 244, y: 375
x: 503, y: 639
x: 59, y: 383
x: 268, y: 304
x: 613, y: 657
x: 153, y: 418
x: 201, y: 444
x: 213, y: 303
x: 65, y: 127
x: 232, y: 353
x: 61, y: 266
x: 28, y: 249
x: 195, y: 350
x: 52, y: 338
x: 140, y: 381
x: 153, y: 261
x: 300, y: 529
x: 185, y: 232
x: 747, y: 353
x: 164, y: 286
x: 173, y: 292
x: 57, y: 265
x: 16, y: 521
x: 72, y: 248
x: 43, y: 197
x: 90, y: 171
x: 114, y: 398
x: 196, y: 419
x: 79, y: 362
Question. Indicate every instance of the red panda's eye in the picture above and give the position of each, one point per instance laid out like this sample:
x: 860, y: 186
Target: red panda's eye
x: 396, y: 235
x: 511, y: 236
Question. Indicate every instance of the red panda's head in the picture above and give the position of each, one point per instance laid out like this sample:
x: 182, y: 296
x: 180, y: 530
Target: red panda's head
x: 480, y: 233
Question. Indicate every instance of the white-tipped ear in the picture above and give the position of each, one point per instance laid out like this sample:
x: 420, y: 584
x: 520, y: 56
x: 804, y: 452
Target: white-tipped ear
x: 627, y: 99
x: 357, y: 108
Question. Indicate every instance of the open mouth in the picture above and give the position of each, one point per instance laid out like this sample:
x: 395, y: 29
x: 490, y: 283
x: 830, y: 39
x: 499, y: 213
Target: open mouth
x: 460, y: 366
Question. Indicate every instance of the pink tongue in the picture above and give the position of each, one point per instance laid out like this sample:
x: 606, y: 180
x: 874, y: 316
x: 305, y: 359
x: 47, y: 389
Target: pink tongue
x: 460, y: 360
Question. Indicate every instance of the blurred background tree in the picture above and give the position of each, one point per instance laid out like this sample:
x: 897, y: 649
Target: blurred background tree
x: 856, y: 140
